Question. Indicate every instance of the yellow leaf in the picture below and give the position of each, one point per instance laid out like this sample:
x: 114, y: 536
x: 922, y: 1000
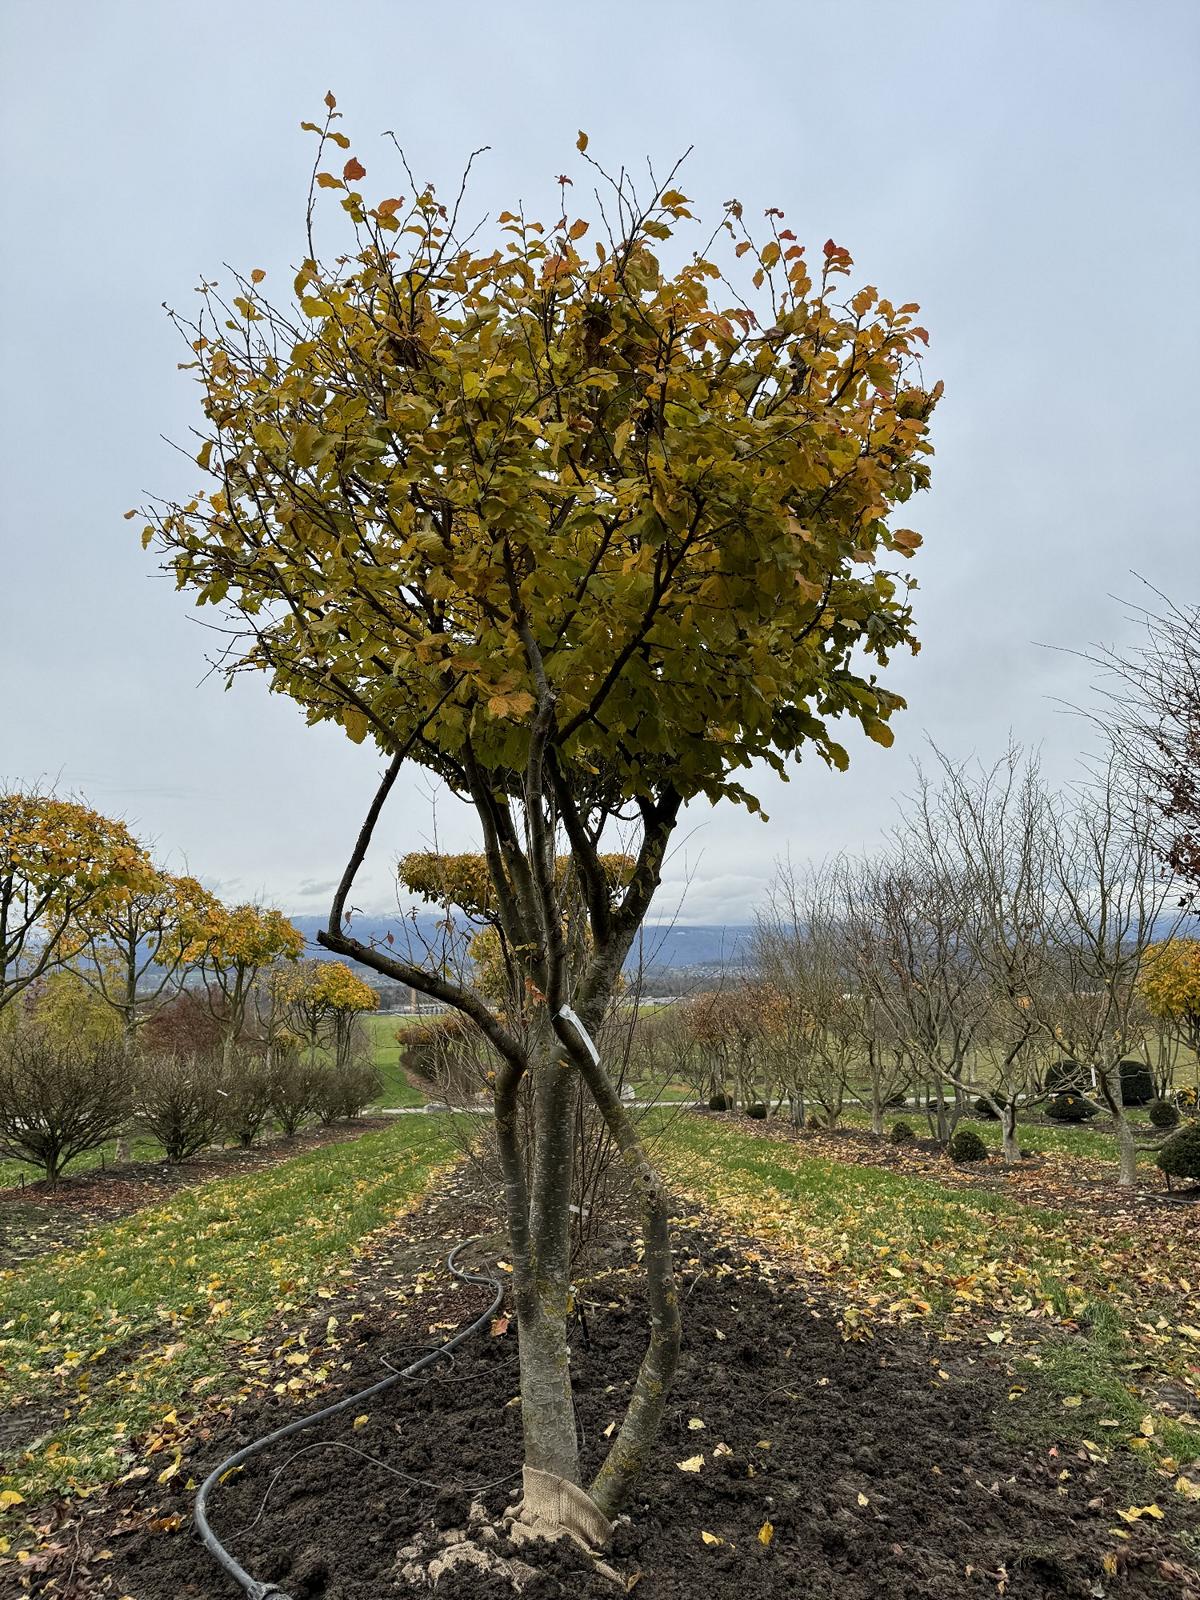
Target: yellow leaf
x: 766, y: 1533
x: 694, y: 1423
x: 168, y: 1473
x: 1187, y: 1487
x: 10, y: 1497
x: 582, y: 142
x: 692, y: 1464
x: 1146, y: 1427
x: 1110, y: 1563
x: 710, y: 1538
x: 1073, y: 1400
x: 355, y: 724
x: 361, y: 1422
x: 1136, y: 1512
x: 257, y: 275
x: 863, y: 1499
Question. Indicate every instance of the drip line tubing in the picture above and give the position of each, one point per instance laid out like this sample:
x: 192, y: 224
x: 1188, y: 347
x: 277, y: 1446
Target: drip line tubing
x: 271, y: 1591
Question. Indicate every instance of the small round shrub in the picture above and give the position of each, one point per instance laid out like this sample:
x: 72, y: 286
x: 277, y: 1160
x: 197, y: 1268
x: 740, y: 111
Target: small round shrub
x: 967, y: 1146
x: 1163, y: 1114
x: 1071, y: 1108
x: 1137, y: 1085
x: 718, y: 1102
x: 983, y: 1106
x: 1180, y: 1154
x: 757, y: 1110
x: 901, y: 1133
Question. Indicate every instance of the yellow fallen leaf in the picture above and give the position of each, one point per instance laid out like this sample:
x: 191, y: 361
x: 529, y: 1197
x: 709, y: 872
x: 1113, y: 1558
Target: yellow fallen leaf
x: 1146, y: 1427
x: 168, y: 1473
x: 5, y: 1546
x: 361, y: 1422
x: 1187, y: 1487
x: 710, y: 1538
x: 1110, y: 1563
x: 863, y: 1500
x: 694, y: 1423
x: 1136, y: 1512
x: 766, y: 1533
x: 692, y: 1464
x: 10, y: 1497
x: 1073, y: 1400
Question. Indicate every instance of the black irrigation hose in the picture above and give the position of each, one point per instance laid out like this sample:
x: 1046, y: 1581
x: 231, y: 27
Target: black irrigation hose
x: 252, y: 1586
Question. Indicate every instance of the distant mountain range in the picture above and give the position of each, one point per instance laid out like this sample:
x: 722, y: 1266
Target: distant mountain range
x: 677, y: 946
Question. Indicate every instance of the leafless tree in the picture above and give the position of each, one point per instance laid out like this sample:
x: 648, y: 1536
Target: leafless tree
x: 908, y: 913
x: 1106, y: 896
x: 1152, y: 716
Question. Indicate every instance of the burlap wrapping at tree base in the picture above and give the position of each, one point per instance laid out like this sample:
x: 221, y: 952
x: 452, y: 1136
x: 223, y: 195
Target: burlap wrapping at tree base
x: 550, y: 1506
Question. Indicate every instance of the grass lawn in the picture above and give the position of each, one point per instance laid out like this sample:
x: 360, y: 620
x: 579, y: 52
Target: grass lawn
x: 396, y: 1090
x: 1108, y: 1317
x: 1086, y: 1140
x: 145, y: 1320
x: 142, y: 1148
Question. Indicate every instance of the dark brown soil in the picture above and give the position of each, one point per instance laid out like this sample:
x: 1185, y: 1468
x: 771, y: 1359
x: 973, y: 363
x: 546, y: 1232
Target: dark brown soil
x: 35, y: 1218
x: 884, y: 1468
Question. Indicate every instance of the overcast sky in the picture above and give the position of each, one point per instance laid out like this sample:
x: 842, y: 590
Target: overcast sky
x: 1026, y: 171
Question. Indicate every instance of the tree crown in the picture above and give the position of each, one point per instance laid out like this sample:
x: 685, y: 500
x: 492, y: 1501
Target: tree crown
x: 454, y: 485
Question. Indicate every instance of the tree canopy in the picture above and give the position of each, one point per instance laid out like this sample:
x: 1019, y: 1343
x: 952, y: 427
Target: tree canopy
x: 453, y: 482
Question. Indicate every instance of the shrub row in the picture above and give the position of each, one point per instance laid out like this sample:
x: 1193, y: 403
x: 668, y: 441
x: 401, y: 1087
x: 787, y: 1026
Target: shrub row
x: 57, y: 1103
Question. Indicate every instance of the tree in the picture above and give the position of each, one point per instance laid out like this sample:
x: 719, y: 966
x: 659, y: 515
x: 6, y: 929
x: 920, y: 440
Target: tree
x: 58, y: 861
x: 1104, y: 899
x: 232, y: 946
x: 583, y: 538
x: 1153, y: 721
x: 908, y: 913
x: 1170, y: 984
x: 991, y: 827
x: 326, y: 994
x: 137, y: 944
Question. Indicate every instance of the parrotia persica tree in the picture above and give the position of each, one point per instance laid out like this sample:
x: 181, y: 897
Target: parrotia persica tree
x: 1170, y: 984
x: 59, y: 861
x: 585, y: 518
x: 232, y: 945
x: 137, y: 944
x: 326, y: 994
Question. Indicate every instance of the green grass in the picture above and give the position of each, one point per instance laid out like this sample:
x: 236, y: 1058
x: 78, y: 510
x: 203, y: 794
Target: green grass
x: 109, y: 1339
x: 396, y: 1090
x: 1103, y: 1315
x: 142, y: 1148
x: 1065, y: 1139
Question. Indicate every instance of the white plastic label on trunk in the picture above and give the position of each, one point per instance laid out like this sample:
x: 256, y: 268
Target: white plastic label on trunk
x: 569, y: 1016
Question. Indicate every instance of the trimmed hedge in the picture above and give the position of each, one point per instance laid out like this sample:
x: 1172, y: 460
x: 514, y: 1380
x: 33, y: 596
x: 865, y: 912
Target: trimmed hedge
x: 966, y: 1145
x: 1180, y: 1155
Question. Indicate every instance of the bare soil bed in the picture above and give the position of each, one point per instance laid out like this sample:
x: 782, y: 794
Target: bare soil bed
x: 831, y: 1470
